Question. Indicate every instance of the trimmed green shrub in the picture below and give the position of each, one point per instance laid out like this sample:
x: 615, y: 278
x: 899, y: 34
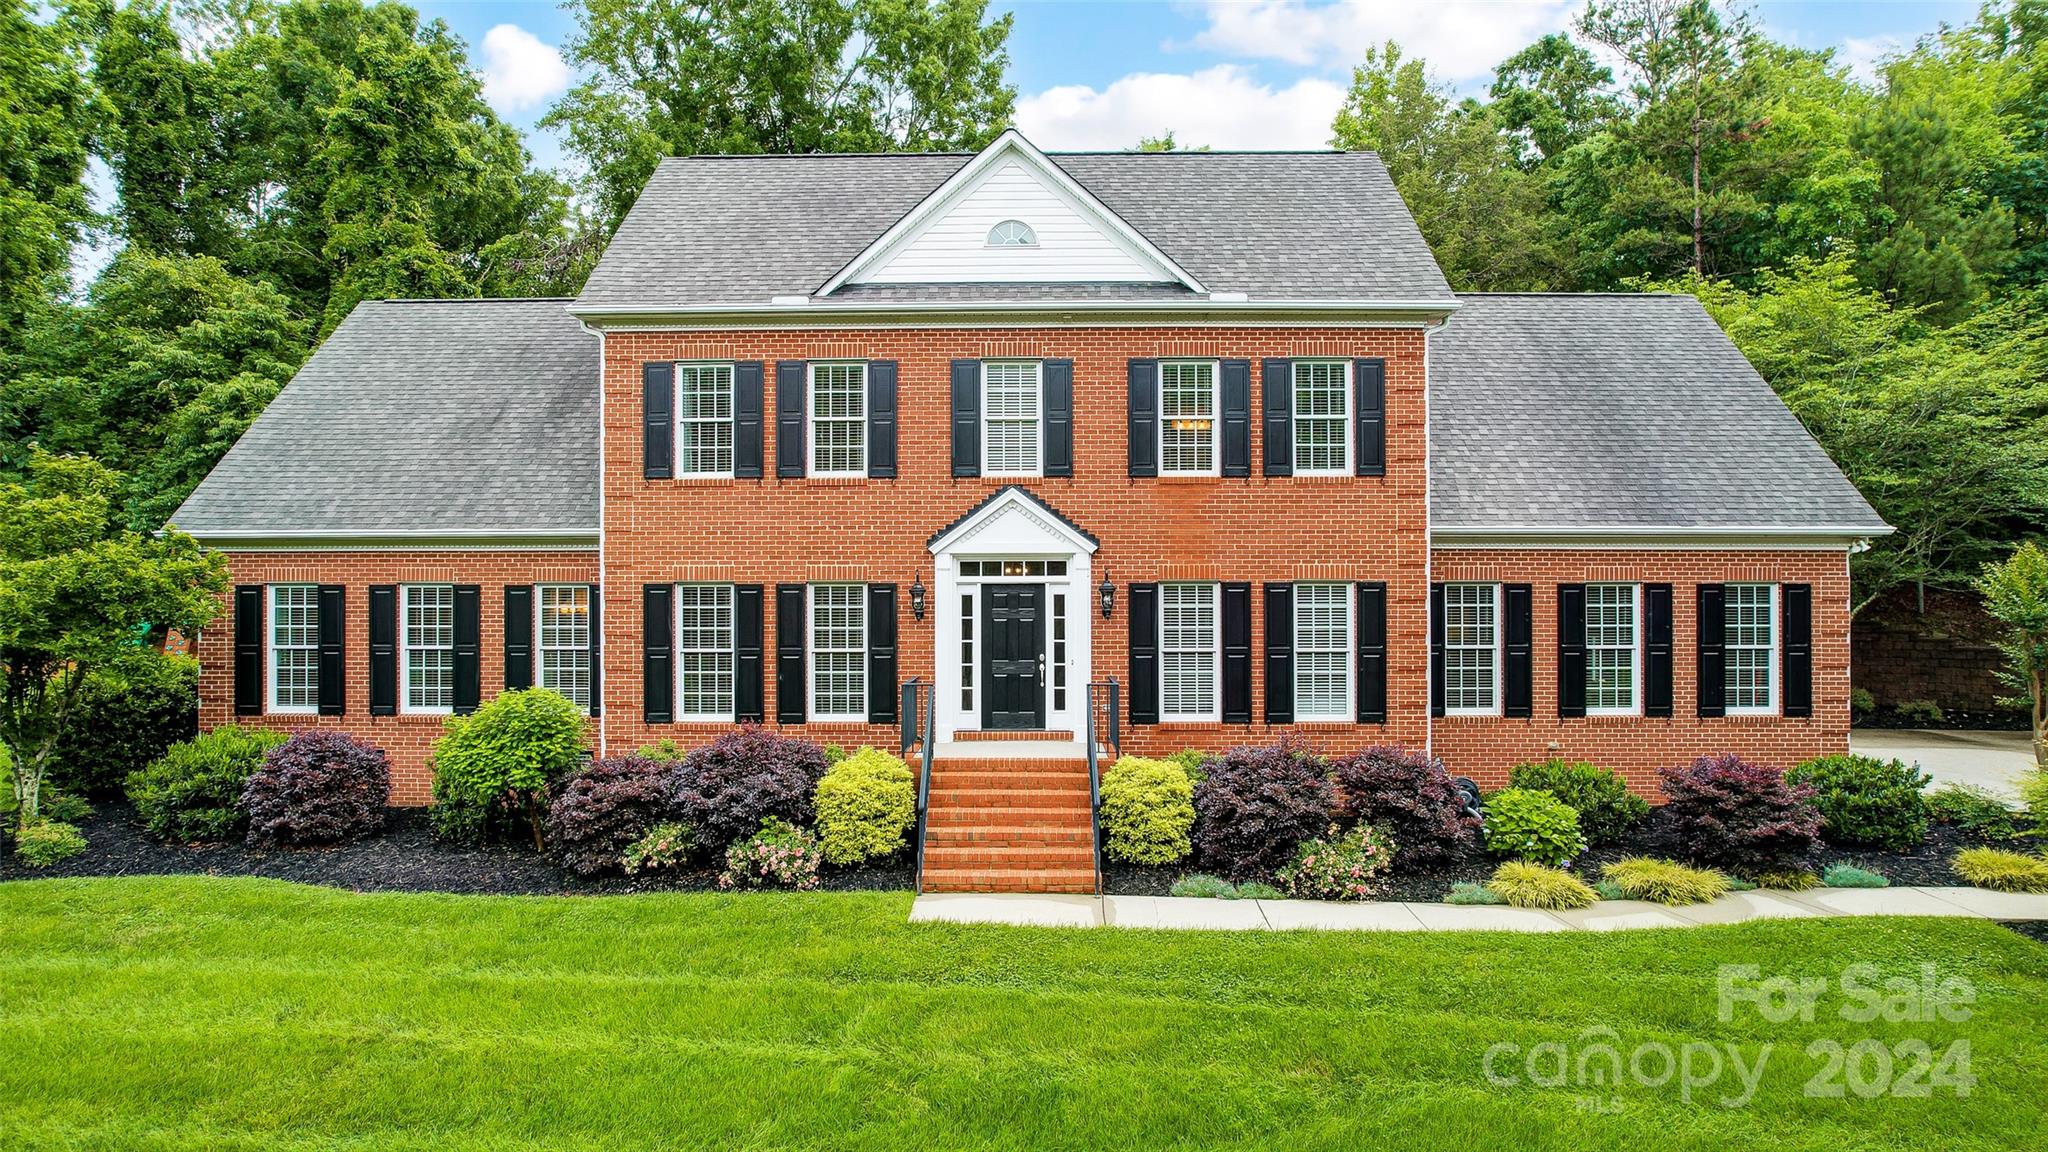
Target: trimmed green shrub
x: 1192, y: 761
x: 1526, y: 885
x: 2034, y: 800
x: 193, y: 792
x: 1849, y: 876
x: 1340, y: 866
x: 1739, y: 816
x: 1664, y: 881
x: 2001, y: 871
x: 1973, y: 809
x: 1533, y: 826
x: 1466, y: 892
x: 1864, y: 800
x: 128, y: 713
x: 64, y: 807
x: 1257, y: 890
x: 1788, y: 880
x: 1148, y: 811
x: 664, y: 750
x: 665, y: 846
x: 1925, y: 713
x: 45, y: 842
x: 780, y: 855
x: 1861, y: 702
x: 1204, y: 886
x: 500, y: 764
x: 867, y: 805
x: 1606, y: 808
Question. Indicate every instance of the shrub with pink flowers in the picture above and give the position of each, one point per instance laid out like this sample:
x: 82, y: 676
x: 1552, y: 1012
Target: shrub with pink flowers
x: 780, y: 855
x: 1339, y: 866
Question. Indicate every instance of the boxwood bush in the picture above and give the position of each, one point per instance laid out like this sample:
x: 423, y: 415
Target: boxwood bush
x: 725, y: 789
x: 867, y: 805
x: 1148, y: 811
x: 601, y: 811
x: 1531, y: 825
x: 1256, y: 804
x: 1741, y: 817
x: 1864, y: 800
x: 1410, y: 797
x: 1606, y: 808
x: 193, y: 792
x: 318, y: 787
x: 498, y: 766
x: 127, y: 714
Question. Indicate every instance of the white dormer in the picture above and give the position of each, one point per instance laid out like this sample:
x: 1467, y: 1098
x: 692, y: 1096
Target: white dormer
x: 1010, y: 216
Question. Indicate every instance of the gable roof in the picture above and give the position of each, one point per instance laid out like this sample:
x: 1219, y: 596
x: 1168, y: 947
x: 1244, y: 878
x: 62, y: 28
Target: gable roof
x: 712, y: 232
x: 1628, y: 412
x: 1007, y: 494
x: 460, y: 418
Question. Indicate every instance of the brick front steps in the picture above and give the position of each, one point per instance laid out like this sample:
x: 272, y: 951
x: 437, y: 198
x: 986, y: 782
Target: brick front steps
x: 1005, y: 823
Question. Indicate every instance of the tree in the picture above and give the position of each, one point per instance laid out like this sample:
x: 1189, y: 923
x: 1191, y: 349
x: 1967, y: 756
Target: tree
x: 677, y: 77
x: 77, y: 591
x: 1552, y: 96
x: 1164, y: 143
x: 49, y: 118
x: 2016, y: 595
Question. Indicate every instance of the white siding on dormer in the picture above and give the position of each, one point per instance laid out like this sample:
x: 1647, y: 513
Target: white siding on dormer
x: 1073, y: 246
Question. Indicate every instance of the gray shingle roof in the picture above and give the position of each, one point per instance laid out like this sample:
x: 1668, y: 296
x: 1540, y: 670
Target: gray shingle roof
x: 469, y: 416
x: 738, y: 230
x: 1595, y: 411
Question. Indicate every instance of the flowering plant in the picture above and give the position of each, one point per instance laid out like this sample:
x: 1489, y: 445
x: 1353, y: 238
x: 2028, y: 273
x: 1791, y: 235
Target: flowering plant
x: 1339, y: 866
x: 780, y: 855
x: 664, y: 846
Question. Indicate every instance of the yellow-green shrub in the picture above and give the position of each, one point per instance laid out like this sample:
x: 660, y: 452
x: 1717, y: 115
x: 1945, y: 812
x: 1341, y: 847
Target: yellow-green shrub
x: 1641, y: 878
x: 867, y: 804
x: 1526, y: 885
x: 2003, y: 871
x: 1148, y: 809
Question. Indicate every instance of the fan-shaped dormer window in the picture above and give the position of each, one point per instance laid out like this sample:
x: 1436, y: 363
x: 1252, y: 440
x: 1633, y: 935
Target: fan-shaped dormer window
x: 1012, y: 234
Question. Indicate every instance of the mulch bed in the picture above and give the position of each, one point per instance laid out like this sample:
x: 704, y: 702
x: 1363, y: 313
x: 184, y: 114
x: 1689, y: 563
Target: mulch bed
x: 405, y: 857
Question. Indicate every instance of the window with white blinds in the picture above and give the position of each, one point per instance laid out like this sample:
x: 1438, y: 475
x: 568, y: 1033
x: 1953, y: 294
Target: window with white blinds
x: 1750, y: 646
x: 839, y: 646
x: 839, y: 419
x: 1188, y: 654
x: 429, y: 648
x: 1187, y: 418
x: 704, y: 419
x: 562, y: 634
x: 1471, y: 648
x: 1011, y: 439
x: 704, y: 651
x: 1610, y: 649
x: 294, y: 647
x: 1322, y: 651
x: 1322, y: 417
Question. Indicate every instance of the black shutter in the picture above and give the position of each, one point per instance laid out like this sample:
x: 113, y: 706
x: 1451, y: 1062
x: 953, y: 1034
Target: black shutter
x: 1656, y: 649
x: 1571, y: 649
x: 882, y: 686
x: 790, y: 696
x: 746, y: 420
x: 658, y: 420
x: 881, y: 419
x: 469, y: 602
x: 333, y: 677
x: 518, y: 636
x: 383, y: 650
x: 1057, y: 384
x: 249, y: 650
x: 1144, y: 622
x: 1372, y: 653
x: 657, y: 653
x: 1237, y: 417
x: 596, y: 654
x: 966, y: 417
x: 1797, y: 600
x: 1369, y: 380
x: 791, y: 378
x: 747, y: 705
x: 1713, y: 634
x: 1518, y: 666
x: 1279, y: 653
x: 1436, y: 650
x: 1277, y: 385
x: 1237, y: 653
x: 1144, y: 420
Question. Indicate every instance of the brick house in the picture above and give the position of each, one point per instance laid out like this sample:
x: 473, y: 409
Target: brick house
x: 1210, y: 424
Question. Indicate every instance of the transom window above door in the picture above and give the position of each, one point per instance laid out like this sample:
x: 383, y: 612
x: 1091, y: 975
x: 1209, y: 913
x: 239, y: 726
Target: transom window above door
x: 1013, y: 567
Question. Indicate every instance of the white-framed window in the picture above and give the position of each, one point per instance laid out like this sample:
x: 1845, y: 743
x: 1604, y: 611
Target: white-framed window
x: 562, y: 640
x: 1059, y: 649
x: 704, y: 419
x: 1750, y: 649
x: 1472, y: 649
x: 294, y: 647
x: 839, y: 652
x: 1612, y: 670
x: 839, y: 419
x: 1190, y: 658
x: 1012, y: 234
x: 704, y: 651
x: 428, y: 648
x: 1010, y: 436
x: 1322, y: 651
x: 1322, y: 417
x: 1187, y: 418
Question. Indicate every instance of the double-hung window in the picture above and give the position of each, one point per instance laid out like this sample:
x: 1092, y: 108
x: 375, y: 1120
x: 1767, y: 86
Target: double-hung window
x: 1010, y: 413
x: 839, y: 644
x: 704, y: 419
x: 1612, y: 670
x: 563, y: 632
x: 1750, y: 647
x: 294, y: 647
x: 1472, y: 649
x: 1189, y: 657
x: 1187, y: 418
x: 839, y: 419
x: 704, y: 651
x: 1322, y: 651
x: 1322, y: 417
x: 428, y: 648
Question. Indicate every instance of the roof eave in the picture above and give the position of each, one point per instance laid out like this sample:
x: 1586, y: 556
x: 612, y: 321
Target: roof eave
x: 1853, y: 537
x: 259, y: 540
x: 1060, y: 311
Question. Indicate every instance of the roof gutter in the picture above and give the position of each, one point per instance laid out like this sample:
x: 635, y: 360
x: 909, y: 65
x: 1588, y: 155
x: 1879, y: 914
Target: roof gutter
x: 811, y: 311
x: 399, y: 539
x: 1855, y: 537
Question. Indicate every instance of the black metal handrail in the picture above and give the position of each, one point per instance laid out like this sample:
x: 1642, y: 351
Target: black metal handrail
x: 919, y: 714
x: 1104, y: 693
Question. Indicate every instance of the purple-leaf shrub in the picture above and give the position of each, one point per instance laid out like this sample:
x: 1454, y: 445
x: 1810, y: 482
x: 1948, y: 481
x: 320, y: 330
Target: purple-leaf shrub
x: 599, y: 812
x: 727, y: 788
x: 1409, y: 796
x: 1255, y: 805
x: 1744, y: 817
x: 318, y: 787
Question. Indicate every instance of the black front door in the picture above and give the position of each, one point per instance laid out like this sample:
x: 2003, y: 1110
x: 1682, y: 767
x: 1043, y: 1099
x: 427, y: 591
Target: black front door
x: 1012, y: 655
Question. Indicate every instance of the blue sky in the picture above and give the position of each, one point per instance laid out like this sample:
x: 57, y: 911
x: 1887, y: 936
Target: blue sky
x: 1248, y: 74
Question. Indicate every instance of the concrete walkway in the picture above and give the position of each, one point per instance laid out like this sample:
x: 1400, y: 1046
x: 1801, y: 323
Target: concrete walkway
x: 1993, y: 760
x: 1608, y: 915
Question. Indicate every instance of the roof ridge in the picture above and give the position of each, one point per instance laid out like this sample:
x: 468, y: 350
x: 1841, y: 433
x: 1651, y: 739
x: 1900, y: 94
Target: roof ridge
x: 1596, y: 295
x: 473, y: 299
x: 1178, y: 152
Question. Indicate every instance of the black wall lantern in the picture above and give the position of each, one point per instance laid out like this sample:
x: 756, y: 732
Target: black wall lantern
x: 1108, y: 594
x: 917, y: 596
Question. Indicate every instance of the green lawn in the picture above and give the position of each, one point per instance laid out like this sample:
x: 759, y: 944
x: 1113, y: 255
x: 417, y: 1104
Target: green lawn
x: 224, y: 1014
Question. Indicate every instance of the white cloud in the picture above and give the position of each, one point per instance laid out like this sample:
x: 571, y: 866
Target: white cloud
x: 520, y: 72
x: 1863, y: 54
x: 1223, y: 107
x: 1462, y: 40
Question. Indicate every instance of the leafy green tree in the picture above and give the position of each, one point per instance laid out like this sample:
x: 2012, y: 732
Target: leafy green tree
x: 49, y: 118
x: 2016, y: 595
x: 676, y: 77
x: 172, y: 136
x: 1934, y: 241
x: 1165, y: 143
x: 1553, y: 96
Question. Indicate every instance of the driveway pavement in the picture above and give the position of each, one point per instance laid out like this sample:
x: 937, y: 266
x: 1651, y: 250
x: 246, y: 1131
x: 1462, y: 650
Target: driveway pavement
x: 1993, y: 760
